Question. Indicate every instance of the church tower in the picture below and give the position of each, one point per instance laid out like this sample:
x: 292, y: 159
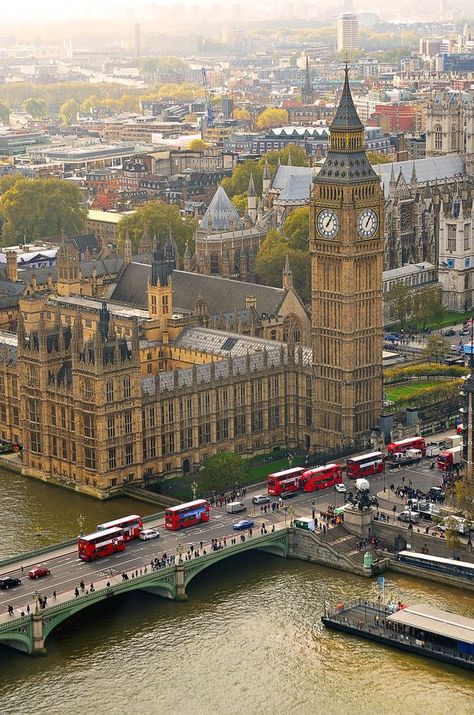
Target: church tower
x: 346, y: 244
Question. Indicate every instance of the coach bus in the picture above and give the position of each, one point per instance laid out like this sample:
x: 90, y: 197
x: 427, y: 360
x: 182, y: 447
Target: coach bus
x: 130, y: 525
x: 189, y: 514
x: 365, y: 465
x: 100, y: 543
x: 438, y: 564
x: 286, y: 481
x: 321, y: 477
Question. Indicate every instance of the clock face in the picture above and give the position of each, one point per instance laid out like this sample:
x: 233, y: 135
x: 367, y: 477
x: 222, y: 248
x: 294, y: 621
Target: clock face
x: 367, y: 223
x: 328, y: 223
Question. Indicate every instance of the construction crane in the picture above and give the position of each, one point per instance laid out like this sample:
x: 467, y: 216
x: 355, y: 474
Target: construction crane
x: 211, y: 113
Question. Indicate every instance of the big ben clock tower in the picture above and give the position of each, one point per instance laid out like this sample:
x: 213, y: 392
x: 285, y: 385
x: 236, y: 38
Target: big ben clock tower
x: 346, y: 243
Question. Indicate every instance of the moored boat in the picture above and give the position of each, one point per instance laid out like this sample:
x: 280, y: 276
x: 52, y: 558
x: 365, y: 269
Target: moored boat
x: 419, y: 629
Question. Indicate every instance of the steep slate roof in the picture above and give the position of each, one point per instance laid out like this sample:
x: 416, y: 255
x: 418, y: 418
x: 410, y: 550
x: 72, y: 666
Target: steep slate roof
x: 434, y: 168
x: 284, y: 173
x: 346, y: 116
x: 221, y: 295
x: 298, y: 188
x: 221, y: 213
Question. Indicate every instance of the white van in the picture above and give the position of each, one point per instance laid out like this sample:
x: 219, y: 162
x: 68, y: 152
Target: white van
x: 235, y: 507
x: 411, y: 517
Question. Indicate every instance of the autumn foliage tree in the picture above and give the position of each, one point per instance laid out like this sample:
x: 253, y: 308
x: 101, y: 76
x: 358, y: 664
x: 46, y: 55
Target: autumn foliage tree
x: 272, y: 117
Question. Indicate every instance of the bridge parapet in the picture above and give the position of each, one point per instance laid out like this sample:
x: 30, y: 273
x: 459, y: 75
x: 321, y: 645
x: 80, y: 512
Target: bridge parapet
x: 28, y: 633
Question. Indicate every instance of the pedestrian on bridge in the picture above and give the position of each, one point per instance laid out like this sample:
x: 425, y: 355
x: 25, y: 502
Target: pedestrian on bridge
x: 54, y: 595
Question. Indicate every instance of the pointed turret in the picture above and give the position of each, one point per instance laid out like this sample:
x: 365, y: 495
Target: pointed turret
x: 287, y: 275
x: 251, y: 201
x: 266, y: 178
x: 187, y: 258
x: 413, y: 179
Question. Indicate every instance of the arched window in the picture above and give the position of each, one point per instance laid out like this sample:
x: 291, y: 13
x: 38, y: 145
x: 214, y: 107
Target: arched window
x: 438, y: 140
x: 292, y: 329
x: 454, y: 138
x: 467, y: 281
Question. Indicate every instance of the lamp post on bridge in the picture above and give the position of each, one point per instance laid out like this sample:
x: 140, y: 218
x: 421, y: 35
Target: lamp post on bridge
x: 179, y: 553
x: 80, y: 521
x: 291, y: 514
x: 37, y: 600
x: 194, y: 487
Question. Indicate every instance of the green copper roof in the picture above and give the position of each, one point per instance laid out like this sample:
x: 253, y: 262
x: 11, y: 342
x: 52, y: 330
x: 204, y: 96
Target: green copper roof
x: 346, y: 116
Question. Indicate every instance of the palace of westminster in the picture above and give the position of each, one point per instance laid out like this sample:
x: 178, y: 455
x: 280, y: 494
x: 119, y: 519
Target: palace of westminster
x: 147, y: 375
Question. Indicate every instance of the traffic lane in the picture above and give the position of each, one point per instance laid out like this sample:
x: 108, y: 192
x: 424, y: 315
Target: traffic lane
x: 136, y: 555
x: 67, y: 568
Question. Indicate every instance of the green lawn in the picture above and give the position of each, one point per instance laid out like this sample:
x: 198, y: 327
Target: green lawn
x: 396, y: 393
x: 450, y: 318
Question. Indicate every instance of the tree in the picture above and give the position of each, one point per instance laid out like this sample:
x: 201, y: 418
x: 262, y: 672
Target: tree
x: 222, y: 471
x: 270, y: 262
x: 296, y: 153
x: 68, y: 111
x: 272, y: 117
x: 436, y: 348
x: 238, y: 183
x: 464, y: 497
x: 41, y: 208
x: 296, y: 228
x: 90, y: 105
x: 400, y: 300
x: 428, y: 306
x: 452, y: 534
x: 7, y: 181
x: 198, y: 145
x: 4, y: 113
x: 240, y: 203
x: 375, y: 157
x: 157, y: 219
x: 242, y: 115
x: 36, y: 107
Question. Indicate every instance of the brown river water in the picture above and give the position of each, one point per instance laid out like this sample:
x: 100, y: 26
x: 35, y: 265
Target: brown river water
x: 249, y: 640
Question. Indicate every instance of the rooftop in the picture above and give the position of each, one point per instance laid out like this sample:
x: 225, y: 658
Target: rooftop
x: 434, y: 620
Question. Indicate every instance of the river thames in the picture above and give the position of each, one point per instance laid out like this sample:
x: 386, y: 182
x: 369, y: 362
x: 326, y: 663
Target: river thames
x: 249, y: 639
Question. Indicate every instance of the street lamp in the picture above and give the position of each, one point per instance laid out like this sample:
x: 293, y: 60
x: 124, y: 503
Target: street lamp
x: 194, y: 487
x: 37, y: 600
x: 80, y: 521
x: 179, y: 553
x: 291, y: 513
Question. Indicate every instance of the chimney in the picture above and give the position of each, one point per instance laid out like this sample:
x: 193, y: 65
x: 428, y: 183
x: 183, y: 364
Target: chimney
x: 12, y: 268
x: 250, y: 302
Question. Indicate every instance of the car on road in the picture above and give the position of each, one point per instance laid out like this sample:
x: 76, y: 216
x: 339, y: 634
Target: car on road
x: 260, y: 499
x: 288, y: 495
x: 243, y: 524
x: 146, y: 534
x: 39, y: 571
x: 9, y: 582
x: 340, y: 488
x: 466, y: 331
x: 450, y: 332
x: 456, y: 348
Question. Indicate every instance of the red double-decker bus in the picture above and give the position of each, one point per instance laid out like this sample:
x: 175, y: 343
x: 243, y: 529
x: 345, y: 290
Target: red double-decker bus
x: 182, y: 515
x: 100, y: 544
x: 286, y: 481
x: 365, y: 465
x: 130, y: 525
x: 321, y: 477
x: 408, y: 443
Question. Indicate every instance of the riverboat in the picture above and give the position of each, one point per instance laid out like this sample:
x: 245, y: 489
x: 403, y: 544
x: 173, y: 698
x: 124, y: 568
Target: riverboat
x: 419, y: 629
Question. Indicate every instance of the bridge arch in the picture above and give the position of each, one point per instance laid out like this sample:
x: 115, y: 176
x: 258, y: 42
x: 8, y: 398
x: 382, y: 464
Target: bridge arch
x: 278, y: 546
